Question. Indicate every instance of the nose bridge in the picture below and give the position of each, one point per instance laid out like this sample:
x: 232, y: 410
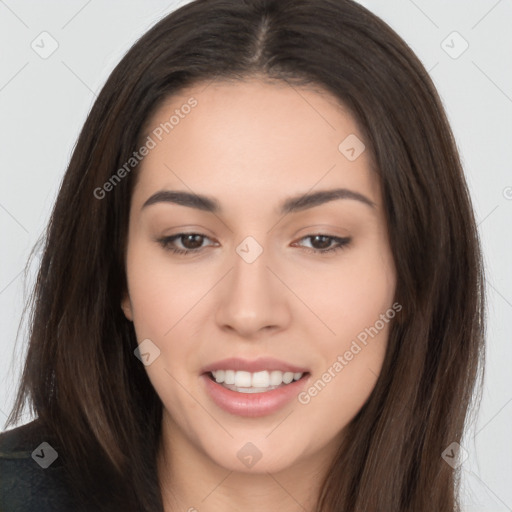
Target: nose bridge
x: 252, y: 299
x: 250, y: 279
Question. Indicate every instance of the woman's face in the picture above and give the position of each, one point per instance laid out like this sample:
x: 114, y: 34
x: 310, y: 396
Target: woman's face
x: 252, y: 286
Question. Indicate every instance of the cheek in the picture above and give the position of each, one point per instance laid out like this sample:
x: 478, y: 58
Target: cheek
x: 351, y: 364
x: 357, y: 308
x: 160, y: 297
x: 163, y: 300
x: 348, y: 297
x: 159, y: 294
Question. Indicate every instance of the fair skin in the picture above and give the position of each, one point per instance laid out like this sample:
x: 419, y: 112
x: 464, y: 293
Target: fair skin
x: 251, y: 145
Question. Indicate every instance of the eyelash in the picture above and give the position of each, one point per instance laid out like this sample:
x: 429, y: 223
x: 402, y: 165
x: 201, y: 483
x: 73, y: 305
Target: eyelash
x: 166, y: 242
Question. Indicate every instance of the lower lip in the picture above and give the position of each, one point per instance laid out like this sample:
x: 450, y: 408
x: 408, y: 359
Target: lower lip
x: 252, y: 405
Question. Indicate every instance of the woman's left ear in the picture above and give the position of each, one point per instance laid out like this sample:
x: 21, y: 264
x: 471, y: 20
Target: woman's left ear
x: 126, y: 306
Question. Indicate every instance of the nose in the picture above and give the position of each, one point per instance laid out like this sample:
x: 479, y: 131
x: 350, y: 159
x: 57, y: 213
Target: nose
x: 252, y: 299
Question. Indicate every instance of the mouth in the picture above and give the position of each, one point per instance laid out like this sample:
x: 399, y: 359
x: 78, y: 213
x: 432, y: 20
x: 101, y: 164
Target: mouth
x: 253, y: 388
x: 254, y: 382
x: 247, y: 397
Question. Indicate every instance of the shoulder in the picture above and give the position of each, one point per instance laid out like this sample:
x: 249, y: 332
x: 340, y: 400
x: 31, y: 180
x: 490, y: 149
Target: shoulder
x: 32, y: 477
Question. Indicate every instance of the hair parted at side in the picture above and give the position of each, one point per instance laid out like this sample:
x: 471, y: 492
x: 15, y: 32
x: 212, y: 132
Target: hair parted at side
x: 81, y: 377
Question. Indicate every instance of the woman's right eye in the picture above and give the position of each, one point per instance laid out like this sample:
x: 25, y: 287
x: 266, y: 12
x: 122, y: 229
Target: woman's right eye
x: 167, y: 242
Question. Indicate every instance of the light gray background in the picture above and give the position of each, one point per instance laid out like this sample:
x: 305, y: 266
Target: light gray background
x: 44, y: 102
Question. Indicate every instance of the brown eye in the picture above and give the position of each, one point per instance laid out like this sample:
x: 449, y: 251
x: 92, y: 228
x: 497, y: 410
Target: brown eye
x: 323, y: 243
x: 191, y: 242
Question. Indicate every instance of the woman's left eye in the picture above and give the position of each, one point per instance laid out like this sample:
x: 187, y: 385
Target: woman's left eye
x: 326, y: 242
x: 340, y: 243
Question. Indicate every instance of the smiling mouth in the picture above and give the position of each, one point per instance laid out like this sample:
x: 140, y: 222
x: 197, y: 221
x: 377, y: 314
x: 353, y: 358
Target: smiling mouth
x: 257, y: 382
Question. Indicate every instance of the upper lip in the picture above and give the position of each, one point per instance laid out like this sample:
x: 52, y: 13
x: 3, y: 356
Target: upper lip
x: 256, y: 365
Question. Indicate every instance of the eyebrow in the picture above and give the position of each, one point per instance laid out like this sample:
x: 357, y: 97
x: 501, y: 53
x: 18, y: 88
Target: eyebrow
x: 290, y: 205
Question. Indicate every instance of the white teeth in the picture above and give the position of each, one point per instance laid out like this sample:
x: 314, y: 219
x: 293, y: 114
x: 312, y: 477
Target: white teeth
x: 263, y: 379
x: 260, y: 380
x: 288, y: 377
x: 229, y: 377
x: 242, y: 379
x: 276, y: 378
x: 220, y: 375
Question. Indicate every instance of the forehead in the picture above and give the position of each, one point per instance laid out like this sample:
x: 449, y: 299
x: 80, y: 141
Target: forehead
x: 253, y: 138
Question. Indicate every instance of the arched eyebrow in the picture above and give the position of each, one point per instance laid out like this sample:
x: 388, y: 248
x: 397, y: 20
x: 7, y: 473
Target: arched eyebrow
x: 290, y: 205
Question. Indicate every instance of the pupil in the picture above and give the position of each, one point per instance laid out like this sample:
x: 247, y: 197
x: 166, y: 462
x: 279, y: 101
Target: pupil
x: 194, y: 246
x: 326, y: 240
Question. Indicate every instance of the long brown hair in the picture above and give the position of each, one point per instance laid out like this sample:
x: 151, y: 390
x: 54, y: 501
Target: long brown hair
x: 81, y: 376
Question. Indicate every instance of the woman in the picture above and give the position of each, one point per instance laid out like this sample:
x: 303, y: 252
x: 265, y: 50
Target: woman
x: 262, y: 285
